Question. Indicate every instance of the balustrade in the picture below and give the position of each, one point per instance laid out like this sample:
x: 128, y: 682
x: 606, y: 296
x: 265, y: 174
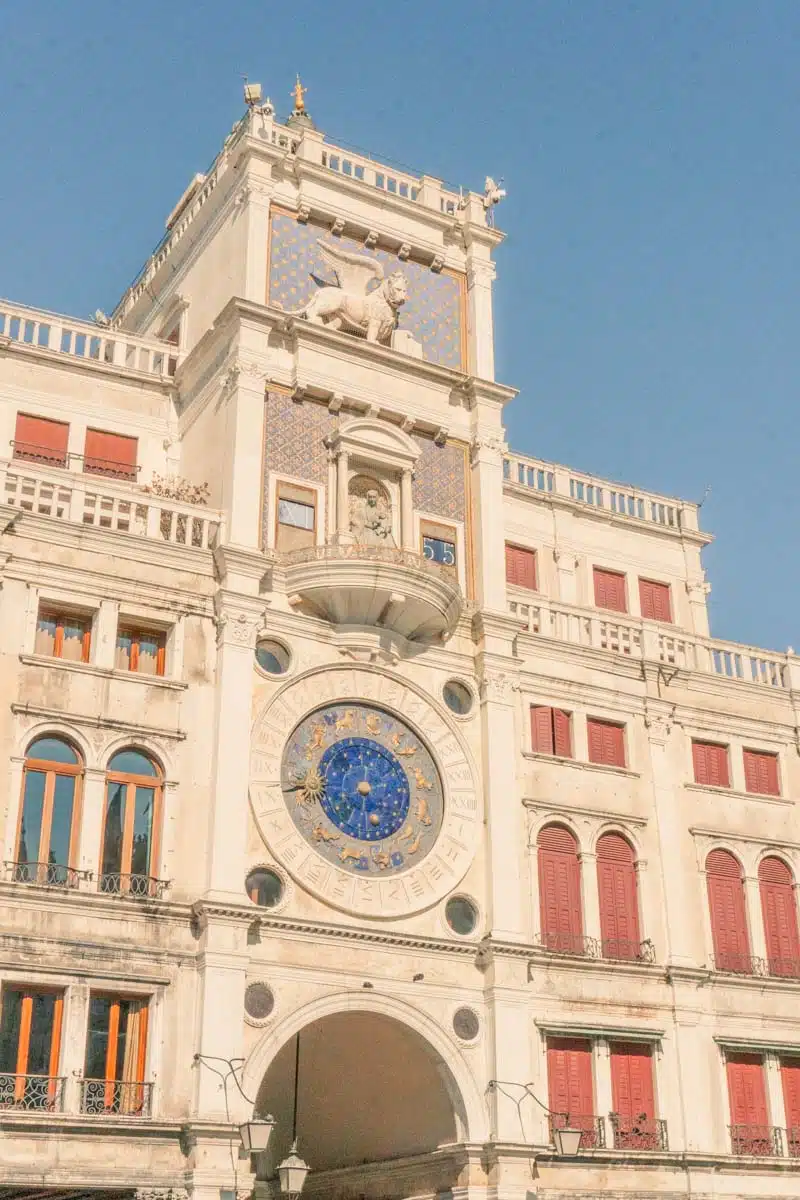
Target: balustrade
x: 32, y: 1093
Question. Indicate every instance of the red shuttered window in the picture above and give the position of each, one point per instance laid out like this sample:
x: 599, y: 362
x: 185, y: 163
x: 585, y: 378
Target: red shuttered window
x: 710, y: 763
x: 569, y: 1086
x: 551, y: 731
x: 790, y: 1082
x: 728, y: 914
x: 779, y: 910
x: 39, y: 440
x: 655, y: 600
x: 619, y: 902
x: 633, y: 1096
x: 747, y: 1095
x: 761, y: 773
x: 609, y: 590
x: 110, y: 454
x: 606, y: 742
x: 521, y: 567
x: 560, y: 890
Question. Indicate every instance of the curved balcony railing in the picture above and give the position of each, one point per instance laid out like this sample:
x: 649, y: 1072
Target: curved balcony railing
x: 638, y: 1133
x: 581, y: 946
x: 32, y: 1093
x: 113, y: 1097
x: 144, y: 887
x: 384, y: 554
x: 760, y: 1141
x: 734, y: 963
x: 593, y: 1129
x: 45, y: 874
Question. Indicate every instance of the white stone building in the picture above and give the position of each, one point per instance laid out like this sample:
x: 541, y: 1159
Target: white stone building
x: 391, y: 771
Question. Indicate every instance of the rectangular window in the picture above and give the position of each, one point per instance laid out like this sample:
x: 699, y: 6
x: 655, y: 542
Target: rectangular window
x: 633, y: 1097
x: 606, y: 742
x: 140, y: 650
x: 609, y: 590
x: 790, y: 1081
x: 761, y: 773
x: 551, y: 731
x: 30, y: 1044
x: 710, y: 764
x: 521, y: 567
x: 295, y: 517
x: 570, y: 1087
x: 654, y: 599
x: 63, y: 635
x: 38, y: 439
x: 438, y: 543
x: 747, y: 1096
x: 116, y: 1049
x: 110, y: 454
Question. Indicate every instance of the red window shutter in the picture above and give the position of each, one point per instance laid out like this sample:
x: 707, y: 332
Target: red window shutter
x: 746, y: 1089
x: 632, y: 1092
x: 559, y: 889
x: 41, y: 440
x: 619, y: 907
x: 562, y: 733
x: 710, y: 764
x: 761, y: 773
x: 110, y: 454
x: 654, y: 599
x: 521, y: 566
x: 727, y: 909
x: 542, y: 729
x: 779, y: 912
x: 790, y: 1081
x: 569, y: 1076
x: 609, y: 590
x: 606, y: 742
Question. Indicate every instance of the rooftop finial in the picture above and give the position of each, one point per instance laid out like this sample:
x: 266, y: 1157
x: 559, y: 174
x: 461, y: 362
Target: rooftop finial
x: 298, y: 93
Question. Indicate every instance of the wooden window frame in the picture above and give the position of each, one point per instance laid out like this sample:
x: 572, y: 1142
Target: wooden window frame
x: 553, y: 710
x: 24, y: 1042
x: 136, y: 633
x: 60, y: 616
x: 759, y: 756
x: 605, y: 722
x: 597, y: 570
x: 50, y: 770
x: 131, y: 782
x: 658, y: 583
x: 534, y: 587
x: 726, y: 758
x: 110, y: 1078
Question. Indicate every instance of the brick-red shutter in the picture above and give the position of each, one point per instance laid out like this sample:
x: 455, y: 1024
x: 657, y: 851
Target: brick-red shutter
x: 609, y: 590
x: 559, y: 889
x: 569, y: 1076
x: 655, y: 600
x: 761, y: 773
x: 110, y: 454
x: 710, y: 764
x: 562, y: 733
x: 727, y: 909
x: 606, y: 742
x: 790, y: 1082
x: 779, y: 911
x: 619, y: 908
x: 632, y: 1093
x: 42, y: 439
x: 521, y: 567
x: 746, y: 1091
x: 542, y: 729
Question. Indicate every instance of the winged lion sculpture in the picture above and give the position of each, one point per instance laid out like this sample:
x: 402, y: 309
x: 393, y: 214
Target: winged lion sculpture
x: 350, y: 306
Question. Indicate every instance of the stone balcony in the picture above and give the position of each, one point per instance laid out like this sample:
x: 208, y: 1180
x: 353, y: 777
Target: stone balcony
x: 381, y: 586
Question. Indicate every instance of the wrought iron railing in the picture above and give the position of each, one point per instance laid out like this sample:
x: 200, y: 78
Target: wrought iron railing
x: 31, y: 452
x: 638, y: 1133
x: 593, y: 1129
x: 32, y: 1093
x: 783, y: 968
x: 622, y: 950
x: 113, y: 1097
x: 581, y: 946
x: 44, y: 873
x: 733, y: 963
x: 793, y: 1141
x: 760, y: 1141
x: 143, y: 887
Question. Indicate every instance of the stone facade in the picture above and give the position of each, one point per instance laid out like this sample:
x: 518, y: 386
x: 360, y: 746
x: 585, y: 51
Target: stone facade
x: 194, y: 926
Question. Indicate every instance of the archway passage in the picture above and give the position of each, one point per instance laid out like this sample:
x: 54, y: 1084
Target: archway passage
x: 370, y: 1090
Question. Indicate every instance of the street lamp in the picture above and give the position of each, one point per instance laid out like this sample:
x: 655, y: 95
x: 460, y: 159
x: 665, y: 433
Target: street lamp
x: 255, y: 1134
x: 567, y: 1139
x: 292, y: 1171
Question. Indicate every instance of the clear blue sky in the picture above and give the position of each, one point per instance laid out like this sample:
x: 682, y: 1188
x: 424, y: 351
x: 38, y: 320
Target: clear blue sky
x: 647, y: 296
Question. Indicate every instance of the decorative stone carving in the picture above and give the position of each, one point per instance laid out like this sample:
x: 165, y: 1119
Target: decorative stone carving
x: 303, y: 214
x: 337, y: 227
x: 659, y: 723
x: 349, y: 305
x: 161, y: 1194
x: 440, y: 437
x: 371, y: 239
x: 494, y: 445
x: 404, y: 252
x: 497, y: 686
x: 175, y: 487
x: 370, y: 513
x: 238, y: 628
x: 437, y: 263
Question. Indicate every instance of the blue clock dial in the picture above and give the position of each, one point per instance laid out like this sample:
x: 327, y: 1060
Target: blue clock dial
x: 366, y: 792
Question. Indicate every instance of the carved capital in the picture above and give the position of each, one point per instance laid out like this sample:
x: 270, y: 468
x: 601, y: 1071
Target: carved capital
x: 567, y: 560
x: 238, y: 625
x: 487, y: 445
x: 497, y: 686
x: 697, y: 589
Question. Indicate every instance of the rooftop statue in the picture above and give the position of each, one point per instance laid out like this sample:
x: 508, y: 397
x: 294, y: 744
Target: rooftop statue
x: 349, y: 306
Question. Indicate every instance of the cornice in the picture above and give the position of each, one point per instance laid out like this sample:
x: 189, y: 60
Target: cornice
x: 86, y: 366
x: 643, y: 1033
x: 93, y: 584
x: 96, y: 722
x: 81, y: 668
x: 599, y: 814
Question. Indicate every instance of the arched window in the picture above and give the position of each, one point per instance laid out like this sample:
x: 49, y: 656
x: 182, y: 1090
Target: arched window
x: 779, y: 911
x: 619, y: 901
x: 47, y: 841
x: 560, y: 890
x: 131, y: 824
x: 728, y: 914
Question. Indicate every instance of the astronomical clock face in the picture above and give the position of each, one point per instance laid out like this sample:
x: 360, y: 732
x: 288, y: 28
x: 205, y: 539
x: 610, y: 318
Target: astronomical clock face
x: 363, y: 789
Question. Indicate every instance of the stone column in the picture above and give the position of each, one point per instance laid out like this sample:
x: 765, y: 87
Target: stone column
x: 406, y: 511
x: 591, y: 898
x: 603, y: 1099
x: 342, y: 496
x: 243, y: 469
x: 775, y: 1101
x: 73, y: 1042
x: 487, y: 498
x: 697, y: 591
x: 91, y: 827
x: 105, y: 634
x: 755, y: 917
x: 480, y: 277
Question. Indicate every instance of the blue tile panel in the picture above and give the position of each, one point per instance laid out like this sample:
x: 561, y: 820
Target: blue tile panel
x: 294, y: 443
x: 440, y: 479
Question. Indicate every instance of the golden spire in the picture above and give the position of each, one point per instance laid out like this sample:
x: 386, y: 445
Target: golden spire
x: 298, y: 93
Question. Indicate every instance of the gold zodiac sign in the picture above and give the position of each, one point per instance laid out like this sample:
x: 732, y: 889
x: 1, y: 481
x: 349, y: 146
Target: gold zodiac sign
x: 317, y: 739
x: 320, y: 834
x: 346, y: 854
x: 415, y: 845
x: 407, y: 834
x: 381, y: 859
x: 373, y: 723
x: 402, y: 751
x: 309, y: 786
x: 346, y: 721
x: 422, y: 782
x: 423, y: 811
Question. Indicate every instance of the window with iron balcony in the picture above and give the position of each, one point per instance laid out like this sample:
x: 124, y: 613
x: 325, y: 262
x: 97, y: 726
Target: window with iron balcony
x: 617, y: 888
x: 634, y: 1123
x: 570, y: 1090
x: 779, y: 913
x: 116, y: 1054
x: 30, y: 1048
x: 41, y: 440
x: 131, y: 826
x: 751, y: 1130
x: 560, y: 903
x: 49, y: 818
x: 110, y: 454
x: 728, y: 913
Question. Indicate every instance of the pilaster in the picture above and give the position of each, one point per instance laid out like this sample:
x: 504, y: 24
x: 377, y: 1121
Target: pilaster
x: 242, y: 455
x: 487, y: 498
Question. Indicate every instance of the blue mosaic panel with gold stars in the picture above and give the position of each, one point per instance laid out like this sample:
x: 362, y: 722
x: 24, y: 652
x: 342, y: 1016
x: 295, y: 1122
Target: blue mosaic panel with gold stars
x: 362, y: 789
x: 432, y: 314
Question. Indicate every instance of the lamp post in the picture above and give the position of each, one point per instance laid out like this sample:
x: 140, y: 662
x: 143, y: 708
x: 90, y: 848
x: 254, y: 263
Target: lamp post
x: 567, y: 1139
x: 292, y: 1171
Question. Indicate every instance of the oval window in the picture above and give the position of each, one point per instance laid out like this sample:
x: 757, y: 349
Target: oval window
x: 272, y: 657
x: 457, y: 697
x: 461, y: 915
x: 264, y: 887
